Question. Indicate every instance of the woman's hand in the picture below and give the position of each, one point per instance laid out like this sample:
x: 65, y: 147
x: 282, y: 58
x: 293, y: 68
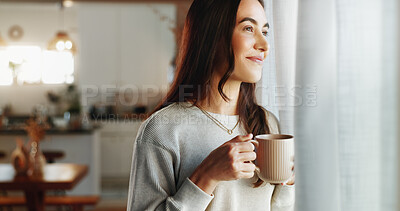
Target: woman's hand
x: 230, y: 161
x: 292, y: 178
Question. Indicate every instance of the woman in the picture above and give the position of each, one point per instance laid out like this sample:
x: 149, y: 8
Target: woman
x: 193, y: 152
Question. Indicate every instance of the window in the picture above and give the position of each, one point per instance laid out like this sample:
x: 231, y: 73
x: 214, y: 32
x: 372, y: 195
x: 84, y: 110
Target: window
x: 32, y: 65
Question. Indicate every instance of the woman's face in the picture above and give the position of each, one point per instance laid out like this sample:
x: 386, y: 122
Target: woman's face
x: 249, y: 42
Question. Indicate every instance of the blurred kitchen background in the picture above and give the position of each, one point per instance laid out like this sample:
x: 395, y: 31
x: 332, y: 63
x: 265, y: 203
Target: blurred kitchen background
x: 93, y: 70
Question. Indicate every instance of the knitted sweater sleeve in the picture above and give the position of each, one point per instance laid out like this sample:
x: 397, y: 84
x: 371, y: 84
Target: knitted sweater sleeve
x: 153, y: 185
x: 283, y: 197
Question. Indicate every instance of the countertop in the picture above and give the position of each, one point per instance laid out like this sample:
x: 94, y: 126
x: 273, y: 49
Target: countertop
x: 54, y: 131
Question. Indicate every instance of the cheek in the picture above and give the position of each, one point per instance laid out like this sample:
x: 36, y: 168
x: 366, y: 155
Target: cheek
x: 241, y: 45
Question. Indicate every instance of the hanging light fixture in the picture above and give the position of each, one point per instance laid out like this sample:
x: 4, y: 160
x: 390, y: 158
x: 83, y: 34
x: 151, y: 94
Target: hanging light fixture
x: 62, y: 42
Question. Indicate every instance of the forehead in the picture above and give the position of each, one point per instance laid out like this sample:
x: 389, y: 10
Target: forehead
x: 252, y: 9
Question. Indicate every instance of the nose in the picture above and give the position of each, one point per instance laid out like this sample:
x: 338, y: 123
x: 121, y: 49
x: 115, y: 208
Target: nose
x: 261, y: 43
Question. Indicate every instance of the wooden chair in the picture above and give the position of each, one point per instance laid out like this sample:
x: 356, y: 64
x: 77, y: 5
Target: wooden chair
x: 52, y: 155
x: 2, y: 154
x: 2, y: 192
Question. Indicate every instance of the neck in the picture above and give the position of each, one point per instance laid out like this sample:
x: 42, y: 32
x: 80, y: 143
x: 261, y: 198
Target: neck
x: 214, y: 102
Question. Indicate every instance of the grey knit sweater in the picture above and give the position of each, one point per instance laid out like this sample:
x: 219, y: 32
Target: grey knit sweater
x: 170, y: 145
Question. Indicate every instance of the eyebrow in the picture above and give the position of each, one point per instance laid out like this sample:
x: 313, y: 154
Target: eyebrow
x: 253, y: 21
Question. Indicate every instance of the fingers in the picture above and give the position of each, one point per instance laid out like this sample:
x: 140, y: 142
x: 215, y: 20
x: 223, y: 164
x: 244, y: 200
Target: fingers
x: 240, y: 143
x: 246, y: 170
x: 247, y: 156
x: 292, y: 178
x: 243, y: 138
x: 244, y: 147
x: 242, y: 170
x: 247, y: 167
x: 293, y: 168
x: 249, y: 174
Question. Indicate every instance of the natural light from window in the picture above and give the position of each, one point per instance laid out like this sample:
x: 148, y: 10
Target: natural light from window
x: 32, y: 65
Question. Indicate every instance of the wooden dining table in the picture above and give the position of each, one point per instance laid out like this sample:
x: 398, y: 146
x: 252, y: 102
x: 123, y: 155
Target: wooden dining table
x: 59, y: 176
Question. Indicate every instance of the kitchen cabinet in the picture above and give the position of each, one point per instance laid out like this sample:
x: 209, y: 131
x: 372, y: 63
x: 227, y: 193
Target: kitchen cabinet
x: 128, y: 44
x: 99, y: 45
x: 117, y: 139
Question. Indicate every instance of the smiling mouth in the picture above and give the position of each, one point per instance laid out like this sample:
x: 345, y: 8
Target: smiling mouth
x: 256, y: 60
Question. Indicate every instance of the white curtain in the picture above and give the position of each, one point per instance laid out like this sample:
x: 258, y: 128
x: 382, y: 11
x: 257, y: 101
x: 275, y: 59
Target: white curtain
x: 341, y: 58
x: 276, y: 88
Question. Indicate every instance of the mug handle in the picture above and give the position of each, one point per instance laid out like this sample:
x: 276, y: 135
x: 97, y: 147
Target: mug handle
x: 258, y: 171
x: 254, y: 142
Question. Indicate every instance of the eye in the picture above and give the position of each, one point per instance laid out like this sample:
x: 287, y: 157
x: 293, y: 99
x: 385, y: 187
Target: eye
x: 265, y: 33
x: 249, y: 28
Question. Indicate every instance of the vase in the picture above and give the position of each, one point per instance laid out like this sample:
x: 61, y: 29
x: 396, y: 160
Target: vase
x: 37, y: 161
x: 20, y: 159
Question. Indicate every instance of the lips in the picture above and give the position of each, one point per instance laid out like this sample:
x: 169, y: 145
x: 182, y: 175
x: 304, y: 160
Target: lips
x: 256, y: 59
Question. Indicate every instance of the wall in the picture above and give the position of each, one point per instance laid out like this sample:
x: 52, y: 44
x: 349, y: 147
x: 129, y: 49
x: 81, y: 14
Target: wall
x: 119, y: 45
x: 40, y: 22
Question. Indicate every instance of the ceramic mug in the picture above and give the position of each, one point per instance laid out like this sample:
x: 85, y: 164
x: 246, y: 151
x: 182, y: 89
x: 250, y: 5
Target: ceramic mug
x: 275, y: 155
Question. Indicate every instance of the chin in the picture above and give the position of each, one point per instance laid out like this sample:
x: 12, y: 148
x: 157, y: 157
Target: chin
x: 251, y: 78
x: 253, y: 81
x: 247, y: 75
x: 254, y: 77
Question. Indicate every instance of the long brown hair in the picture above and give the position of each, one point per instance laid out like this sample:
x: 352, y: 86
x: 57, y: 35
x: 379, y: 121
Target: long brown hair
x: 207, y: 37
